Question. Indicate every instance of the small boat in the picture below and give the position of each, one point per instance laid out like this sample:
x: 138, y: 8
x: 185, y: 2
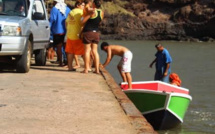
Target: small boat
x: 163, y: 105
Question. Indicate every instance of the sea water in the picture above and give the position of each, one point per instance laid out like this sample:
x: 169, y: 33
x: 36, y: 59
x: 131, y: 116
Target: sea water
x: 194, y: 62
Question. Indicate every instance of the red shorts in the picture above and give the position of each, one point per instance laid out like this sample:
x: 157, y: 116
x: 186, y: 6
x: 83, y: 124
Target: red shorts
x: 74, y: 47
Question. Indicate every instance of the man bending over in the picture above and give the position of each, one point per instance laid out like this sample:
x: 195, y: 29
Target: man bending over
x: 124, y: 65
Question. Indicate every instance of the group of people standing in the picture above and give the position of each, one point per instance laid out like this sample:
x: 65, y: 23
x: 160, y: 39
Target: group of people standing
x: 81, y: 28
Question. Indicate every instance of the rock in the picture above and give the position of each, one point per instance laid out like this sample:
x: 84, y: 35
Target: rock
x: 178, y: 20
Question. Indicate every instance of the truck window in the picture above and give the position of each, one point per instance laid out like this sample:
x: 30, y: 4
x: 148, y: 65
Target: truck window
x: 13, y: 7
x: 38, y: 9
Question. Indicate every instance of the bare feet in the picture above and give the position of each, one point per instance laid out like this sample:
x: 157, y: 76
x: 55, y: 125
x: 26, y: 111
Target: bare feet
x: 84, y: 71
x: 65, y: 66
x: 76, y: 67
x: 96, y: 72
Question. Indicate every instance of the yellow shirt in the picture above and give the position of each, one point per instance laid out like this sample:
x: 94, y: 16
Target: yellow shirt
x: 74, y: 24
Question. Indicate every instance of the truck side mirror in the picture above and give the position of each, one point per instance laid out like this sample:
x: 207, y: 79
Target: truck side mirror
x: 38, y: 16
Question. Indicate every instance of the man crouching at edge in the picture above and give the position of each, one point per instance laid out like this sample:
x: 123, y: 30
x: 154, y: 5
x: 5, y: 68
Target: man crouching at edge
x: 124, y: 65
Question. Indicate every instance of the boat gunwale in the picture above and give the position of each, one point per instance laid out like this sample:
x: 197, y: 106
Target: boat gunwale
x: 151, y: 82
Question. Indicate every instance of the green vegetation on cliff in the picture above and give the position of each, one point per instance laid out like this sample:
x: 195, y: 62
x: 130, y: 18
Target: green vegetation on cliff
x: 116, y: 8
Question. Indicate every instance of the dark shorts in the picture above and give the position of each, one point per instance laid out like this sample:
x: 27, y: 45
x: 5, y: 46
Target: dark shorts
x: 58, y: 39
x: 91, y: 37
x: 50, y: 45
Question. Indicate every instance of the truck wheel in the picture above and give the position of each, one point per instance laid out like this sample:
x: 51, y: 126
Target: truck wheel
x: 23, y: 62
x: 40, y: 57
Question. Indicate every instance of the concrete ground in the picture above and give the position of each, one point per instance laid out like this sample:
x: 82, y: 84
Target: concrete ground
x: 51, y: 100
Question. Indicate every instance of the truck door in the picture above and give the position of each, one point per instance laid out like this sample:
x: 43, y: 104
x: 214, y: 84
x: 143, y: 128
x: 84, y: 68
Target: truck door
x: 40, y: 25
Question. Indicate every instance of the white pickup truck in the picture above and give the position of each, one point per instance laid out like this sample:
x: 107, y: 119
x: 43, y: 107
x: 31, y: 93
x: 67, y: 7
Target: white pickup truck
x: 24, y: 31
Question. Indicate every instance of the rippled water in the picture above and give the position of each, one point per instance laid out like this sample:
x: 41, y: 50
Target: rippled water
x: 195, y: 64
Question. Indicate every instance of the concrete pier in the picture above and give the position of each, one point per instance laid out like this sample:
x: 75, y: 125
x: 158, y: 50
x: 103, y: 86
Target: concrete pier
x: 51, y: 100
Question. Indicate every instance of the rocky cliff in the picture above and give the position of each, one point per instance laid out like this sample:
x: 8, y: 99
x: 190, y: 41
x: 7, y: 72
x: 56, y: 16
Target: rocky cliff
x: 159, y: 20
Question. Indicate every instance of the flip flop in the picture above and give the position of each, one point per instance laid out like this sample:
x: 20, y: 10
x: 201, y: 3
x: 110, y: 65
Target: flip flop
x: 73, y: 70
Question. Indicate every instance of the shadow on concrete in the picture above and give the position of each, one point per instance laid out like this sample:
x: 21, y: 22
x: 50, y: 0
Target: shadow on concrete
x: 7, y: 68
x: 11, y: 68
x: 46, y: 68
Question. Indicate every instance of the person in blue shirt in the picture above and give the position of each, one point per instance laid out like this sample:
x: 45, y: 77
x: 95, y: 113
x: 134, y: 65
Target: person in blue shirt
x: 57, y: 19
x: 163, y: 61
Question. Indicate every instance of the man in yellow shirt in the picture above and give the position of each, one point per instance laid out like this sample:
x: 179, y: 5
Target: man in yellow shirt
x: 74, y: 45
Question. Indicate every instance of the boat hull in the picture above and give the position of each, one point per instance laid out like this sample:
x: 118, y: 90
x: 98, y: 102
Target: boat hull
x: 162, y: 110
x: 162, y: 120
